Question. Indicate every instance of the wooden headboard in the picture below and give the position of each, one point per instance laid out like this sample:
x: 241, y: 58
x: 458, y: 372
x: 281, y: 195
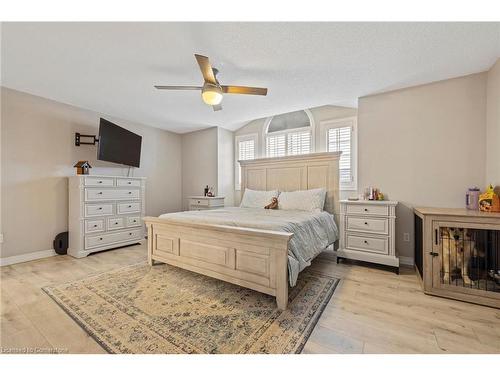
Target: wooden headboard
x: 297, y: 172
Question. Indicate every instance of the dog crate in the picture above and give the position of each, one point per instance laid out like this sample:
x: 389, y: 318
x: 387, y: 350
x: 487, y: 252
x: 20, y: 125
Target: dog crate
x: 459, y: 254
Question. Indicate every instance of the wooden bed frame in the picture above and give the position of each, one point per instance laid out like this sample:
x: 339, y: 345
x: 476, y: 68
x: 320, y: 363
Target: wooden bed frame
x: 252, y: 258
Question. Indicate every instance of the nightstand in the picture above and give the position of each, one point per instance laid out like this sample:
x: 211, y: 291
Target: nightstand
x: 200, y: 203
x: 367, y: 232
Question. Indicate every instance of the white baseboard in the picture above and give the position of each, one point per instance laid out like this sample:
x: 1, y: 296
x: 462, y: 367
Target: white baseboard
x: 27, y: 257
x: 407, y: 261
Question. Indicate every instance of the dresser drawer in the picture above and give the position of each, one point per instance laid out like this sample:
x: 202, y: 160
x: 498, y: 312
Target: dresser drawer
x: 370, y: 244
x: 125, y: 208
x: 127, y: 182
x: 199, y: 202
x: 134, y: 221
x: 98, y: 209
x: 367, y: 209
x: 110, y: 194
x: 116, y: 223
x: 94, y: 225
x: 109, y: 238
x: 99, y: 181
x: 367, y: 224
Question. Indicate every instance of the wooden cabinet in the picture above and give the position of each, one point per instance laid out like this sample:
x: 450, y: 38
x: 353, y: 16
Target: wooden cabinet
x: 199, y: 203
x: 457, y: 254
x: 367, y: 230
x: 105, y: 212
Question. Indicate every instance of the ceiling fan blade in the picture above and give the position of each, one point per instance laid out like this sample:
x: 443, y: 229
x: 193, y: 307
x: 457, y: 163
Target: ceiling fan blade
x: 244, y: 90
x: 178, y: 87
x: 217, y: 107
x: 206, y: 69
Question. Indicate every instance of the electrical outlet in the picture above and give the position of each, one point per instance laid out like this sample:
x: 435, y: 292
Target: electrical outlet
x: 406, y: 237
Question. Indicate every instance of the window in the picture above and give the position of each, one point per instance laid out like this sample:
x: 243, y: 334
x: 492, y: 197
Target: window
x: 289, y: 134
x: 340, y: 135
x: 246, y: 149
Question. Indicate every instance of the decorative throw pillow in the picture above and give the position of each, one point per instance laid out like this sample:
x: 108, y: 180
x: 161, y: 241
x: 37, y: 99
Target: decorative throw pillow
x: 257, y: 198
x: 304, y: 200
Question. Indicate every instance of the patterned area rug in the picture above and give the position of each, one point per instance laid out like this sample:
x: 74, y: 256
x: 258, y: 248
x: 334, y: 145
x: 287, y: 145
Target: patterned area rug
x: 164, y: 309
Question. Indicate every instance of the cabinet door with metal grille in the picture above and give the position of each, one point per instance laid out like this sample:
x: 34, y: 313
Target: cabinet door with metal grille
x: 466, y: 258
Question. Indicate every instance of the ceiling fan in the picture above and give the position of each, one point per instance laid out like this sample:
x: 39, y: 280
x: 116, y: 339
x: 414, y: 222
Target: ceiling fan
x: 212, y: 91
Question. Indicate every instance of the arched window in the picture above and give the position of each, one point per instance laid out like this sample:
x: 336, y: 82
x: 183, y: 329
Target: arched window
x: 289, y: 134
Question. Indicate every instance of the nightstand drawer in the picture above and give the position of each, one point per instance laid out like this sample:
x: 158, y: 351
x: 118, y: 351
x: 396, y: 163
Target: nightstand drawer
x: 199, y: 202
x: 367, y: 209
x: 370, y: 244
x: 371, y: 225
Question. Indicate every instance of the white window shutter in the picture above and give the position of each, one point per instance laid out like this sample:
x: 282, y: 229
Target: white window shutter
x: 246, y: 150
x: 340, y: 139
x: 276, y: 145
x: 299, y: 143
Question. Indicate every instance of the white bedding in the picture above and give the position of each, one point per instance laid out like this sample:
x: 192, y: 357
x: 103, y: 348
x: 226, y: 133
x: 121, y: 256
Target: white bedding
x: 313, y: 231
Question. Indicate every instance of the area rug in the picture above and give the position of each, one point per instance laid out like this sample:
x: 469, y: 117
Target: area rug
x: 164, y: 309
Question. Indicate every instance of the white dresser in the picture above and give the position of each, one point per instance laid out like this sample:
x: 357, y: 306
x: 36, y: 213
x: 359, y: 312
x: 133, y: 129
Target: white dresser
x: 367, y: 232
x: 104, y: 212
x: 199, y: 203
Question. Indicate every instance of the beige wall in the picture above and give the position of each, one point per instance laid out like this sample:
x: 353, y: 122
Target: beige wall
x: 199, y: 162
x: 38, y: 153
x: 206, y: 157
x: 423, y: 146
x: 225, y: 165
x: 493, y: 126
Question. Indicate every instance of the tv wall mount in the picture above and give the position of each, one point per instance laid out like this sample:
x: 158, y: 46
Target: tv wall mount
x: 79, y: 142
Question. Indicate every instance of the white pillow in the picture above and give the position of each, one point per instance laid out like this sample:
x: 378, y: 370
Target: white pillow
x: 304, y: 200
x: 257, y: 198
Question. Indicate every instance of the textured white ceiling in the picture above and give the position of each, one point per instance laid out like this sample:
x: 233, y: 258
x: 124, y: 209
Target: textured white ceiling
x: 111, y: 67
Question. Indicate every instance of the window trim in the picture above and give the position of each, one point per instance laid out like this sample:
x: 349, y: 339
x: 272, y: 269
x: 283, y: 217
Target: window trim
x: 311, y: 127
x: 237, y: 140
x: 325, y: 126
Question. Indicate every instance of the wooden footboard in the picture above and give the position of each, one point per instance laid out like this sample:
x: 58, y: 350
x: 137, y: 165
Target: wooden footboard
x: 255, y: 259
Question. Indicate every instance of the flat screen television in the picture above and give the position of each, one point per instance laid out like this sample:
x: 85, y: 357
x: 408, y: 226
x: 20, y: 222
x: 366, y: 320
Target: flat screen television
x: 118, y: 145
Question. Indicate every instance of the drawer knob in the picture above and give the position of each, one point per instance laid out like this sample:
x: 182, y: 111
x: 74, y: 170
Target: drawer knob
x: 366, y: 223
x: 99, y: 208
x: 99, y: 182
x: 129, y: 206
x: 95, y: 225
x: 366, y: 209
x: 129, y: 183
x: 135, y: 221
x: 366, y: 242
x: 100, y: 238
x: 130, y: 192
x: 130, y: 234
x: 199, y: 202
x: 116, y: 222
x: 99, y: 192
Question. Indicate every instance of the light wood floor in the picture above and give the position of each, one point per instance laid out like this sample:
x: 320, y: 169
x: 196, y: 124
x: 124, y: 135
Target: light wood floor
x: 372, y: 311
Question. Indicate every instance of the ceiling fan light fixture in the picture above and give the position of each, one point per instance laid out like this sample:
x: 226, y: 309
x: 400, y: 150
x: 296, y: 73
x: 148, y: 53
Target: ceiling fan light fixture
x: 211, y: 94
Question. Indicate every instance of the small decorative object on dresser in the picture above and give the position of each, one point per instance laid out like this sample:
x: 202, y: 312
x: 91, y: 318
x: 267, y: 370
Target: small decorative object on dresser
x: 104, y: 212
x: 200, y: 203
x: 367, y: 232
x: 82, y: 167
x: 457, y: 254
